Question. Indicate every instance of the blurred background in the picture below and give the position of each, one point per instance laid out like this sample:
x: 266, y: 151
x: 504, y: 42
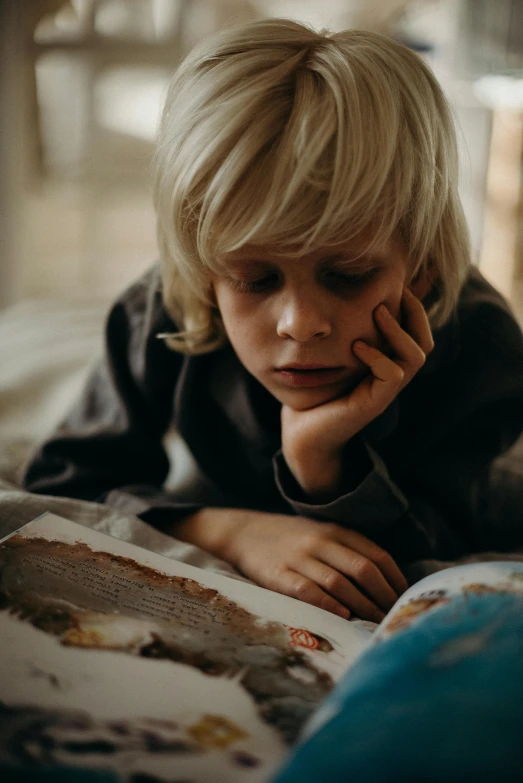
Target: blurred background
x: 82, y: 84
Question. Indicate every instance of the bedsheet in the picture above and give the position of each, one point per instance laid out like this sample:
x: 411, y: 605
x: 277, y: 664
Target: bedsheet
x: 46, y: 350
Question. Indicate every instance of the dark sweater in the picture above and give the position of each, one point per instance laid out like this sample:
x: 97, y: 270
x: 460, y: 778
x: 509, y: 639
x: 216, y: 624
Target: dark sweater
x: 423, y: 467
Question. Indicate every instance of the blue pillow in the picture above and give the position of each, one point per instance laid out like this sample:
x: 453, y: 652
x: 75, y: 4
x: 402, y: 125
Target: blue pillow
x: 439, y: 702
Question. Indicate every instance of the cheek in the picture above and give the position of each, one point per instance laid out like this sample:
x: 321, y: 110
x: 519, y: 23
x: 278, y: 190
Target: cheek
x: 394, y: 304
x: 230, y: 313
x: 391, y: 292
x: 242, y: 335
x: 364, y: 326
x: 242, y: 325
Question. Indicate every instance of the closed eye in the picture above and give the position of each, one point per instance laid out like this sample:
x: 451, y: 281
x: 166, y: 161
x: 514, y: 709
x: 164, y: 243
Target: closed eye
x: 349, y: 279
x: 265, y: 283
x: 332, y: 277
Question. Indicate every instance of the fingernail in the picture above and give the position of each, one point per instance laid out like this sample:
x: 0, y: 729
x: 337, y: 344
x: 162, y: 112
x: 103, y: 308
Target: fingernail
x: 382, y: 310
x: 359, y: 344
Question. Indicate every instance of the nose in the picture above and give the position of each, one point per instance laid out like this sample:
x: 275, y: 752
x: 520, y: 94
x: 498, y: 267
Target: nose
x: 303, y: 317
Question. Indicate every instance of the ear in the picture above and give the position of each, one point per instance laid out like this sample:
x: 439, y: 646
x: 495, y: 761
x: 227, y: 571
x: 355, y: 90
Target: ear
x: 421, y: 284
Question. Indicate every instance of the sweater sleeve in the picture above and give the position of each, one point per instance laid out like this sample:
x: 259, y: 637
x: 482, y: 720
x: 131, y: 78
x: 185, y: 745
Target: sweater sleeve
x: 109, y: 447
x: 409, y: 526
x: 432, y: 492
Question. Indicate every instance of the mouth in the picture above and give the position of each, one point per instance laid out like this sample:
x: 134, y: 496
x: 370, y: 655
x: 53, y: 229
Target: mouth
x: 306, y: 376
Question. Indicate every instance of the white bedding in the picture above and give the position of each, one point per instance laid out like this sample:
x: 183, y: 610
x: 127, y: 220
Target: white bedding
x: 46, y: 350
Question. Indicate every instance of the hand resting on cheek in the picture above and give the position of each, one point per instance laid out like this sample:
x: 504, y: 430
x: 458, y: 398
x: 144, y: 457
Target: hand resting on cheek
x: 313, y: 439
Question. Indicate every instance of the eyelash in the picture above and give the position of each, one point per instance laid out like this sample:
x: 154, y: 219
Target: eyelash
x: 252, y: 286
x: 353, y: 280
x: 336, y: 279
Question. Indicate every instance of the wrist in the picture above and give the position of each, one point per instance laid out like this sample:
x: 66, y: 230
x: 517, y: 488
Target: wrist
x: 212, y: 529
x: 327, y: 479
x: 319, y: 479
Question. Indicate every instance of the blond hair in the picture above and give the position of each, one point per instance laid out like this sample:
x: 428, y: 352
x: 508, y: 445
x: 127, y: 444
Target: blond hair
x: 290, y: 139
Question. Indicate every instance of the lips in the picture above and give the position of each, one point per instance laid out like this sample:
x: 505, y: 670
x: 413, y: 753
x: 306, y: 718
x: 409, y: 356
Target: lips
x: 300, y: 366
x: 309, y: 375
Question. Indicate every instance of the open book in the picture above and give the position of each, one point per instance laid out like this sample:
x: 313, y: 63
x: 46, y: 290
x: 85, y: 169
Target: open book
x: 119, y: 659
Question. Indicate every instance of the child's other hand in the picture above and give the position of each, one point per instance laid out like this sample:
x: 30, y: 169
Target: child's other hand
x: 320, y: 563
x: 313, y: 439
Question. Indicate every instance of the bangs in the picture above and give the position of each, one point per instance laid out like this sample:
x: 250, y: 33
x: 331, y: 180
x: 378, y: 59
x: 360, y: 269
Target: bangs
x: 317, y: 169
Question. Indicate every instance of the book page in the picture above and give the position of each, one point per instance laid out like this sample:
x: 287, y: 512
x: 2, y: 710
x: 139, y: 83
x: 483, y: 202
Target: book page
x: 442, y: 587
x: 127, y: 660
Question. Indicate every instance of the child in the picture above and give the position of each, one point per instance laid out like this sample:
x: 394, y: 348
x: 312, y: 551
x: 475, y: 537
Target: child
x: 342, y: 376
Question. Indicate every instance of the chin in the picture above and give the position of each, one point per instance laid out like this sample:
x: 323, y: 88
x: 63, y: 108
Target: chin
x: 303, y: 399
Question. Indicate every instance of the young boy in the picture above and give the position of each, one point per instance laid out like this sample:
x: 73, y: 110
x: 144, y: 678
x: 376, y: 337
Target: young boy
x: 342, y: 376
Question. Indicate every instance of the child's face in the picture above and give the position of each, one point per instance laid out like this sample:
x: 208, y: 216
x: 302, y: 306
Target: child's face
x: 292, y: 322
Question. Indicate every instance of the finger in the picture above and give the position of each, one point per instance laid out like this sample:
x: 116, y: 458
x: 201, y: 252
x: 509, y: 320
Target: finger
x: 388, y: 376
x: 406, y: 349
x: 300, y: 586
x: 381, y: 558
x: 338, y: 586
x: 361, y: 571
x: 416, y: 321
